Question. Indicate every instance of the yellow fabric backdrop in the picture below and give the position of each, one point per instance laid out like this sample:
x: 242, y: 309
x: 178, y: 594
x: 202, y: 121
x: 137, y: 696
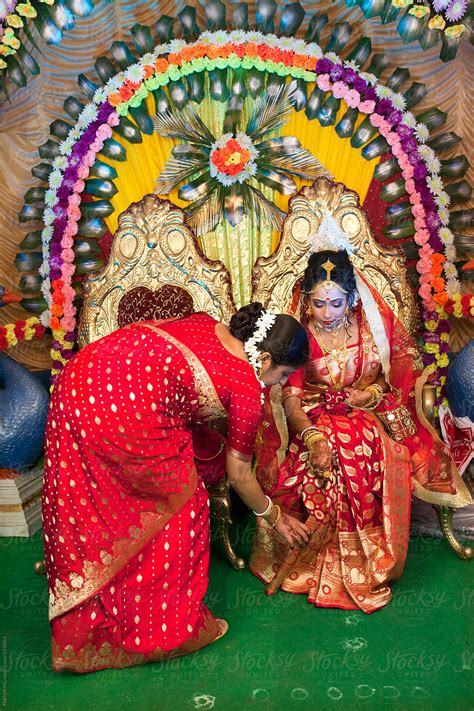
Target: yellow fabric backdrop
x: 238, y: 247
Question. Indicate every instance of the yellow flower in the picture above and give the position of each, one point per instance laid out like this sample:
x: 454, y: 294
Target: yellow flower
x: 430, y: 325
x: 431, y: 348
x: 3, y: 63
x: 437, y: 23
x: 444, y: 337
x: 26, y: 9
x: 443, y: 360
x: 454, y: 31
x: 14, y: 21
x: 419, y: 11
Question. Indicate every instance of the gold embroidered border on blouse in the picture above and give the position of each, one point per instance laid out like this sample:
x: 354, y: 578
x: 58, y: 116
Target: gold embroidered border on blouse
x: 210, y: 406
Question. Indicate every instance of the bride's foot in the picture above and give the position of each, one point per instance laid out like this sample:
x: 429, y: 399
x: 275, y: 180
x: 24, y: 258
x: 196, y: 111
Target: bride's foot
x: 222, y: 627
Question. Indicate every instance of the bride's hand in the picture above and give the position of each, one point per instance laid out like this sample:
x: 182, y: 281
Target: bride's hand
x: 292, y: 530
x: 320, y: 456
x: 359, y: 398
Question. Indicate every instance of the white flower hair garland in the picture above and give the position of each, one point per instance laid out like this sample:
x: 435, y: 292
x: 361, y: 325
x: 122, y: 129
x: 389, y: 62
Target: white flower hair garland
x: 262, y: 327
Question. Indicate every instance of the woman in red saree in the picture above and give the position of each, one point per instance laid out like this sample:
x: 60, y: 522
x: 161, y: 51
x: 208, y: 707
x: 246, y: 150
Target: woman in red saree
x: 125, y: 511
x: 343, y: 474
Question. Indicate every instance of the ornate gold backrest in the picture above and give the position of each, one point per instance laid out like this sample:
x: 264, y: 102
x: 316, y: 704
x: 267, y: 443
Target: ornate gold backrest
x: 154, y: 251
x: 275, y: 277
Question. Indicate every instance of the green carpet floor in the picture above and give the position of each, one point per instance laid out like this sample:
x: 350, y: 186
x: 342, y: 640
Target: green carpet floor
x: 279, y: 653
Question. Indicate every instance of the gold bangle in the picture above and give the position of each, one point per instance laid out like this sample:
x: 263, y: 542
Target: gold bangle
x: 277, y: 518
x: 313, y: 436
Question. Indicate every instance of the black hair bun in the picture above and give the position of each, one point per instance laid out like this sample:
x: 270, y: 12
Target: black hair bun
x: 242, y: 323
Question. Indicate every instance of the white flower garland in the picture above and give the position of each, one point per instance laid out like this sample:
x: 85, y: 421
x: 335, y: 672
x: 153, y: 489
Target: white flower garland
x: 262, y: 327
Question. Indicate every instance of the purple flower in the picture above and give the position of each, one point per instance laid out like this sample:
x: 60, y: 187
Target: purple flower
x: 444, y: 347
x: 439, y: 5
x: 428, y: 358
x: 432, y: 220
x: 349, y: 75
x: 323, y: 66
x: 394, y: 117
x: 384, y: 106
x: 420, y: 170
x: 432, y: 337
x: 336, y: 72
x: 404, y: 131
x: 55, y: 271
x: 443, y: 326
x: 370, y: 94
x: 456, y: 10
x: 359, y: 84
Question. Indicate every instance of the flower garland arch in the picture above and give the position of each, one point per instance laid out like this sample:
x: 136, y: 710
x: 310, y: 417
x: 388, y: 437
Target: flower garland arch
x: 439, y: 286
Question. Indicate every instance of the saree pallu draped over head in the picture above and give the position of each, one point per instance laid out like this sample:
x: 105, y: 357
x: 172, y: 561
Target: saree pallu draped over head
x: 359, y: 516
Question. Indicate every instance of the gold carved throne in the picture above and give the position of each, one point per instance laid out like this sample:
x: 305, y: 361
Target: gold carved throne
x: 276, y: 281
x: 156, y: 270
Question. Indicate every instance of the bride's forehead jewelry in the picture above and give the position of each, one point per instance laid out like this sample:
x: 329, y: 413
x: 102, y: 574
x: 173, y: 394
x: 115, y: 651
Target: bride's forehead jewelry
x: 328, y: 284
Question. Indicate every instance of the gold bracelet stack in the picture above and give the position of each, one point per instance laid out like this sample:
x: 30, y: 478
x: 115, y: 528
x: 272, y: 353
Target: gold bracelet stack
x: 311, y: 435
x: 268, y: 512
x: 377, y: 394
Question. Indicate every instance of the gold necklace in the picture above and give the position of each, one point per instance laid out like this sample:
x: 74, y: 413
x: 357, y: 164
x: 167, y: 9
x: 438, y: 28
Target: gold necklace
x: 339, y: 355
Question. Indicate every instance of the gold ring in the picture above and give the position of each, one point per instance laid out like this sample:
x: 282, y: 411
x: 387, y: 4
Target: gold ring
x: 326, y: 473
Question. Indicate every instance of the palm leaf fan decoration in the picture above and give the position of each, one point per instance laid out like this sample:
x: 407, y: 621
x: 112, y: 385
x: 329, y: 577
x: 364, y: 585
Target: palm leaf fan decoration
x: 221, y: 176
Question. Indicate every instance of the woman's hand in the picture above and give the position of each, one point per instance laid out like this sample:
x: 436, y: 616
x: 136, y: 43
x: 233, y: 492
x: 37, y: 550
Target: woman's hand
x: 359, y: 398
x: 292, y: 530
x: 320, y: 456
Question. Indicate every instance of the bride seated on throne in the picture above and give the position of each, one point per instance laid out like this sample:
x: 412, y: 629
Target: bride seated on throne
x: 359, y: 443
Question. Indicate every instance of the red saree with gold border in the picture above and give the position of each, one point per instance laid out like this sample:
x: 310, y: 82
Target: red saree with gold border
x: 359, y: 518
x: 126, y: 514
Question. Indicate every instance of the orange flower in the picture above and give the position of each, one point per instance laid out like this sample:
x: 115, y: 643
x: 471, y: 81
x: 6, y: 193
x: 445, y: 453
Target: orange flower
x: 299, y: 61
x: 438, y: 284
x: 213, y: 52
x: 126, y: 92
x: 310, y: 64
x: 161, y: 65
x: 437, y: 258
x: 436, y: 270
x: 251, y: 49
x: 54, y: 323
x: 148, y: 71
x: 56, y: 309
x: 174, y: 59
x: 441, y: 298
x: 115, y: 99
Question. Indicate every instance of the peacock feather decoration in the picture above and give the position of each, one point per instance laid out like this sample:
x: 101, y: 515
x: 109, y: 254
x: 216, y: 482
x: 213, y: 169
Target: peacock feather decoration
x: 224, y: 175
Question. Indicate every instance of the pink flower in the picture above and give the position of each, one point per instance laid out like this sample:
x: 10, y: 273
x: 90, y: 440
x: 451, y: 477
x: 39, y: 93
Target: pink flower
x: 425, y: 251
x: 324, y: 82
x: 367, y: 107
x: 89, y: 158
x: 376, y: 120
x: 352, y: 98
x: 411, y: 190
x: 407, y: 172
x: 384, y: 127
x: 83, y: 172
x: 73, y: 212
x: 79, y: 186
x: 392, y: 139
x: 67, y: 255
x: 425, y: 291
x: 339, y: 89
x: 71, y: 228
x: 68, y: 292
x: 70, y: 309
x: 96, y: 145
x: 68, y: 323
x: 114, y: 119
x: 68, y: 270
x: 66, y: 242
x: 423, y: 266
x: 75, y: 199
x: 422, y: 236
x: 397, y: 150
x: 419, y: 223
x: 103, y: 132
x: 418, y: 210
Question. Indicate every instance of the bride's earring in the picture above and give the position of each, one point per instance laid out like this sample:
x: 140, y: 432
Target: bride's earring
x: 309, y: 310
